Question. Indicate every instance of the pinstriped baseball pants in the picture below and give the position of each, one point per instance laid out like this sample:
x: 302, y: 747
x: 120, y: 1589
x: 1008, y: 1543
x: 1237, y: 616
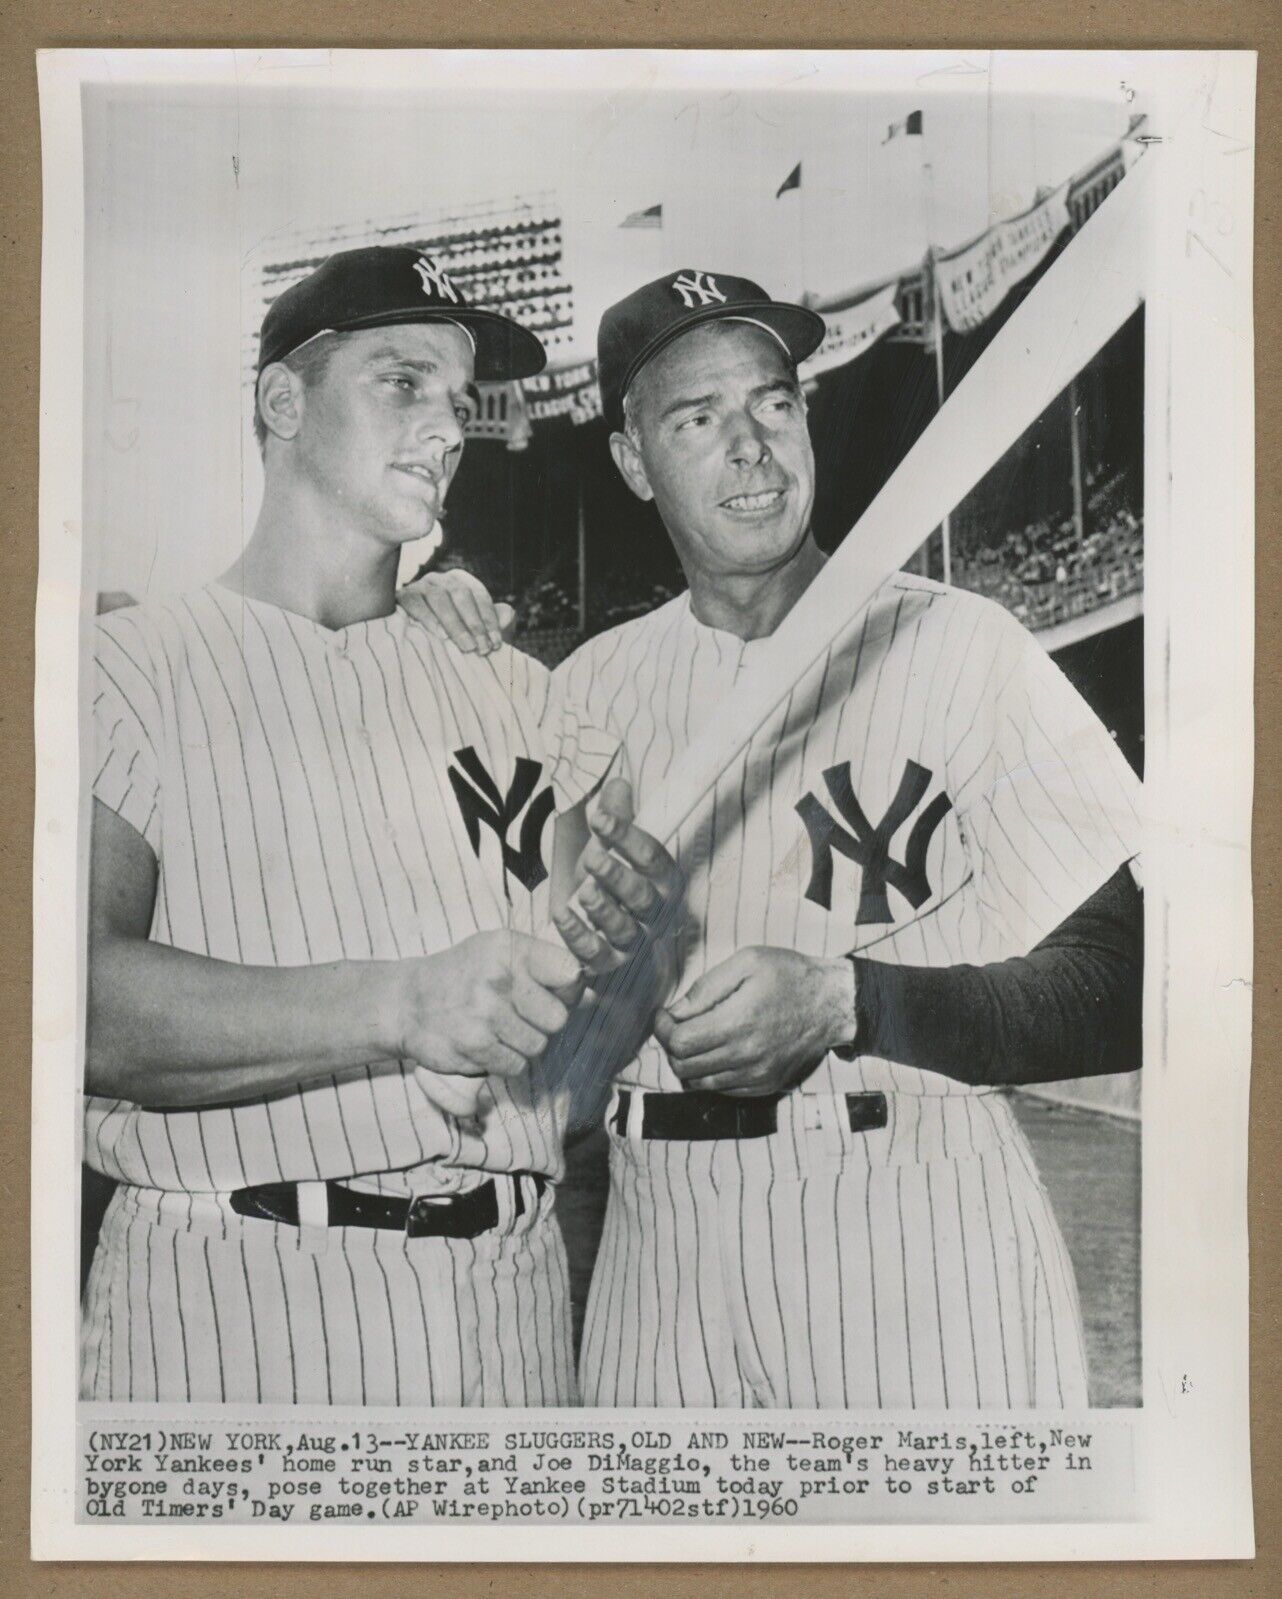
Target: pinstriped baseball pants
x: 916, y: 1266
x: 187, y: 1301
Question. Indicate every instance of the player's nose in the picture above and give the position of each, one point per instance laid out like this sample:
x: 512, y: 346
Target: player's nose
x: 436, y: 423
x: 746, y: 444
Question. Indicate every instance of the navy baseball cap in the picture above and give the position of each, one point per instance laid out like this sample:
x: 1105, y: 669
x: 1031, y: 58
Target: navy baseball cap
x: 388, y: 283
x: 635, y: 329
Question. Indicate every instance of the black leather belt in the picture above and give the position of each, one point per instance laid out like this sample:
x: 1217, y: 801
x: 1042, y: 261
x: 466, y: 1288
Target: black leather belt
x: 425, y: 1216
x: 698, y: 1114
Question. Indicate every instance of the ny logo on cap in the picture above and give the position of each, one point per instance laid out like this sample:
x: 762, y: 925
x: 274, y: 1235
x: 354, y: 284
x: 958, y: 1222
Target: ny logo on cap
x: 700, y: 287
x: 435, y: 279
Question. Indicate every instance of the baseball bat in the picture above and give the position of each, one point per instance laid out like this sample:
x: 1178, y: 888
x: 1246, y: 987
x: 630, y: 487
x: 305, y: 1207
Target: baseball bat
x: 1079, y: 303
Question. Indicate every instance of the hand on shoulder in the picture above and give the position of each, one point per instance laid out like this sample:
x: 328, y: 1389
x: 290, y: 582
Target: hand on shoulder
x: 457, y: 607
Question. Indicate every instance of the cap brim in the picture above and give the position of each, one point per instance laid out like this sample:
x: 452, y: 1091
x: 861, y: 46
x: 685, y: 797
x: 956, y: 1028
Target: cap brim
x: 504, y: 349
x: 801, y: 330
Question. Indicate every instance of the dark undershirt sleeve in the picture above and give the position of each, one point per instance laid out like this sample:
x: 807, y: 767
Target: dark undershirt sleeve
x: 1069, y: 1008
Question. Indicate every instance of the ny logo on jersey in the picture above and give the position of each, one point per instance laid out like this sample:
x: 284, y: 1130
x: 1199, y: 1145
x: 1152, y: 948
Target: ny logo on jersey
x: 869, y: 846
x: 436, y: 281
x: 698, y: 286
x: 480, y: 801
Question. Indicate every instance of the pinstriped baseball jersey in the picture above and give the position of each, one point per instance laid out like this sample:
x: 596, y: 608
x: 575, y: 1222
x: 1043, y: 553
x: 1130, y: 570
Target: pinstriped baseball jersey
x: 188, y: 1302
x: 913, y: 1267
x: 314, y: 795
x: 933, y: 791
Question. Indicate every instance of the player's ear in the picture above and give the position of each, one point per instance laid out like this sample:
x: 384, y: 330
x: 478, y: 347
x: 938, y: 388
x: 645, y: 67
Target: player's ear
x: 280, y: 400
x: 628, y: 460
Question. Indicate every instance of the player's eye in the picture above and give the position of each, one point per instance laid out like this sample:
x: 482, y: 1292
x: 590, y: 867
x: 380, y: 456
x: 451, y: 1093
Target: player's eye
x: 399, y: 380
x: 692, y: 423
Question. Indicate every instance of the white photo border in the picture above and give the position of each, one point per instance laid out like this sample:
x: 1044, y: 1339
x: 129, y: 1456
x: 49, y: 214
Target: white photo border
x: 1199, y: 501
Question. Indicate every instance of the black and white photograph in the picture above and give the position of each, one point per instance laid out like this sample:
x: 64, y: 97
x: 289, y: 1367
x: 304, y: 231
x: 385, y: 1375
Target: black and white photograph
x: 626, y: 801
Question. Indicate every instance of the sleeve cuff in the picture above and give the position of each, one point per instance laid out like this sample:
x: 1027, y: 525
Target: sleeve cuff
x: 854, y: 1048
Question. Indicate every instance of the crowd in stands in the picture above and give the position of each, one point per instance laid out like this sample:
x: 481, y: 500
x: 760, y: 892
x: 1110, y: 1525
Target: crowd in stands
x: 548, y: 612
x: 1044, y: 573
x: 509, y: 260
x: 516, y: 267
x: 545, y: 607
x: 617, y: 600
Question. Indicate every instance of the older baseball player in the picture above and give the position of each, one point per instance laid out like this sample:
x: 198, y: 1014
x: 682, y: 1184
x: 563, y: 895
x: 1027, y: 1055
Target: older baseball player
x: 318, y: 998
x: 920, y: 893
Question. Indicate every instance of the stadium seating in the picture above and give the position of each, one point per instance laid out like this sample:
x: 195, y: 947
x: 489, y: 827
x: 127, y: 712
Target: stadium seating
x: 1044, y: 574
x: 504, y: 256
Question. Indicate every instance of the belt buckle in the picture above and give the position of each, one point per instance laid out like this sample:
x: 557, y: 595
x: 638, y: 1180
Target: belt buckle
x: 757, y: 1115
x: 744, y: 1119
x: 420, y: 1207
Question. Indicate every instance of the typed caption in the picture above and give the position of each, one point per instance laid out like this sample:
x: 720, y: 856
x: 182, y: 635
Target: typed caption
x: 800, y: 1469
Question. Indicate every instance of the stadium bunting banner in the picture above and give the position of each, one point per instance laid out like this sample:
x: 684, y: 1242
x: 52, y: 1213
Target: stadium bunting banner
x: 853, y: 330
x: 974, y: 281
x: 569, y: 391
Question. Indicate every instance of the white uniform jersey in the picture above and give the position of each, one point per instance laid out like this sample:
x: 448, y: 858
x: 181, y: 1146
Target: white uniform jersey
x: 189, y: 1303
x: 933, y: 791
x: 315, y: 795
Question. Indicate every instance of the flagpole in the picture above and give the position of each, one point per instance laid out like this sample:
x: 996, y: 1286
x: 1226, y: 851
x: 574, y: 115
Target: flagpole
x: 582, y: 529
x: 1075, y: 449
x: 945, y: 527
x: 799, y: 235
x: 937, y: 332
x: 793, y: 184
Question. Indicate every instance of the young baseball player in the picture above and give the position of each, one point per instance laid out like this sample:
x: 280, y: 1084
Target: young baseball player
x: 318, y: 995
x: 919, y: 892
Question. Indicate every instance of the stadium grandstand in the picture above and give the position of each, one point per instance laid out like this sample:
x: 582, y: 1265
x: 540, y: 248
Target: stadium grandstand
x: 1047, y: 574
x: 505, y: 255
x: 1054, y: 532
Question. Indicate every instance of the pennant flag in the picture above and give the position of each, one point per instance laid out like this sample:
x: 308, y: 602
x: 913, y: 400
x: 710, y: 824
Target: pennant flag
x: 651, y: 218
x: 852, y: 331
x: 792, y: 181
x: 910, y: 125
x: 974, y: 280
